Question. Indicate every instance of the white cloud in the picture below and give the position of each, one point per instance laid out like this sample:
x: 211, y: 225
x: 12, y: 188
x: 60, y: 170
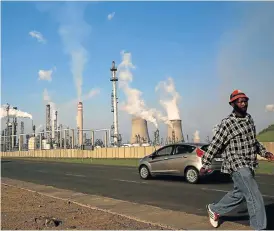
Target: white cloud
x: 269, y: 107
x: 111, y: 16
x: 46, y: 74
x: 36, y: 34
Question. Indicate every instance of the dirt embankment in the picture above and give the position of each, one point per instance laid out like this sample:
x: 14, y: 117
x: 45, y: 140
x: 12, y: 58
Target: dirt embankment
x: 27, y: 210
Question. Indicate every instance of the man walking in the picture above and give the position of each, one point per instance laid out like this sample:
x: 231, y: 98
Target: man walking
x: 236, y: 139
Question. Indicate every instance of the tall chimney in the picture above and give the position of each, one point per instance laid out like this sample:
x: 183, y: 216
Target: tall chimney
x: 139, y: 131
x: 175, y: 133
x: 80, y: 122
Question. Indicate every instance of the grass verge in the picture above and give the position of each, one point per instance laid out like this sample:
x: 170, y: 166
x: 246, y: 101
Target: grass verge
x: 265, y: 167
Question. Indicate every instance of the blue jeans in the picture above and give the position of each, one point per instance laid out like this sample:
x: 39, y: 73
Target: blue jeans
x: 245, y: 187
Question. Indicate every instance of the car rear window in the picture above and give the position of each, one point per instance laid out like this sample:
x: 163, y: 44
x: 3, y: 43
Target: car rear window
x: 205, y: 147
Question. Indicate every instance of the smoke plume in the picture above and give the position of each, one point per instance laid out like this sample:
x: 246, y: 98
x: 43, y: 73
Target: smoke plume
x: 269, y: 107
x: 169, y: 103
x: 164, y: 119
x: 14, y: 113
x: 74, y: 32
x: 39, y: 128
x: 134, y: 104
x: 93, y: 92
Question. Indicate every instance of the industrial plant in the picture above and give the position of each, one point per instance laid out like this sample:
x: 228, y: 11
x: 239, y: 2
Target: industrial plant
x: 54, y: 135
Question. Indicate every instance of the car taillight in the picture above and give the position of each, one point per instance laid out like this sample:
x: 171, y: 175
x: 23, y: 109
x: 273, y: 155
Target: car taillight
x: 199, y: 152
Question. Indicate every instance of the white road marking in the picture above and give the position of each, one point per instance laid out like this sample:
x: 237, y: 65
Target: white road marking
x: 130, y: 181
x: 219, y: 190
x: 42, y: 171
x: 68, y: 174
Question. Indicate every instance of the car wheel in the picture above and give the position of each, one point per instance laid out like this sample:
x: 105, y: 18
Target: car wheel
x: 144, y: 172
x: 192, y: 175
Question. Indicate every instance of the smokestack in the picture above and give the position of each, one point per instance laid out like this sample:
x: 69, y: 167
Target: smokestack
x: 80, y: 123
x: 175, y: 133
x: 139, y: 132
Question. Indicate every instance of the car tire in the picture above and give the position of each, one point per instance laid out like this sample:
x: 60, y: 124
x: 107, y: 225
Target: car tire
x: 144, y: 172
x: 192, y: 175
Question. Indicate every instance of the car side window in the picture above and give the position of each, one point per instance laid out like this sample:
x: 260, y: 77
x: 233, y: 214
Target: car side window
x: 165, y: 151
x: 184, y: 149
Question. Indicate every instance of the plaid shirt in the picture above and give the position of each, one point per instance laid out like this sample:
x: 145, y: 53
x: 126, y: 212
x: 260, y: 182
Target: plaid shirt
x: 236, y: 140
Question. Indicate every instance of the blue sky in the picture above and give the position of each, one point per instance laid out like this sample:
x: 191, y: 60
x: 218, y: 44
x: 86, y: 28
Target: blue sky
x: 208, y: 48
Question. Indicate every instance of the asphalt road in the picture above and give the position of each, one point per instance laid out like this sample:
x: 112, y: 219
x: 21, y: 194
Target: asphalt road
x: 124, y: 183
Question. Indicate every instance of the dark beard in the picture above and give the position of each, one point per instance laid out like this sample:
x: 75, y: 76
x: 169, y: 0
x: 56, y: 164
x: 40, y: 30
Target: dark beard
x: 239, y: 111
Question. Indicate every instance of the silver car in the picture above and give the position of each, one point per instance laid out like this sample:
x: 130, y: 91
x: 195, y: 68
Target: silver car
x: 178, y: 159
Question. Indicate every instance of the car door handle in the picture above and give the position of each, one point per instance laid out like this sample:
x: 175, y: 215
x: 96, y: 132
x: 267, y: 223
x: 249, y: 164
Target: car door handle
x: 185, y: 156
x: 165, y: 158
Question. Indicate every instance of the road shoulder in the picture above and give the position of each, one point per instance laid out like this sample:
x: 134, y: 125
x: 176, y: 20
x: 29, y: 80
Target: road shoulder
x: 167, y: 219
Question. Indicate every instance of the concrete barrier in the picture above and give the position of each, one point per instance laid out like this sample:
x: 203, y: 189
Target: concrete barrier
x: 122, y: 152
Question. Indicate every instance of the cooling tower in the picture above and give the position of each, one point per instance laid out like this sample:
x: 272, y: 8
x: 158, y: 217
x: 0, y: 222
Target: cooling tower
x: 139, y: 131
x: 80, y: 123
x: 175, y: 134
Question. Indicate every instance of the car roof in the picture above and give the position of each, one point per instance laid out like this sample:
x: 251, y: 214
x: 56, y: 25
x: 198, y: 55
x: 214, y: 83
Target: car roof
x: 200, y: 144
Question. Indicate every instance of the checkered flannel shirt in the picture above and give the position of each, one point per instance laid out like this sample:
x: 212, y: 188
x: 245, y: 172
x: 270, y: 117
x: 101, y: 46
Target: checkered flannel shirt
x: 236, y: 140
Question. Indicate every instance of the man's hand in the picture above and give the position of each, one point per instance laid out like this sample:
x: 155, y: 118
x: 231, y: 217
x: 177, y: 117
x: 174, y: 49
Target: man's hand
x: 269, y: 156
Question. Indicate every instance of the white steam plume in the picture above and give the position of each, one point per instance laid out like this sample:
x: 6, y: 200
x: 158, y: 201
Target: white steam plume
x: 134, y: 104
x: 170, y: 104
x: 93, y: 92
x: 165, y: 119
x: 39, y: 128
x: 14, y: 113
x: 269, y: 107
x: 74, y: 32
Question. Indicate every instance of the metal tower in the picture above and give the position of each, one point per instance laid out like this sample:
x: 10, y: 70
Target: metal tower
x: 55, y: 127
x: 48, y: 124
x: 114, y: 108
x: 156, y: 137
